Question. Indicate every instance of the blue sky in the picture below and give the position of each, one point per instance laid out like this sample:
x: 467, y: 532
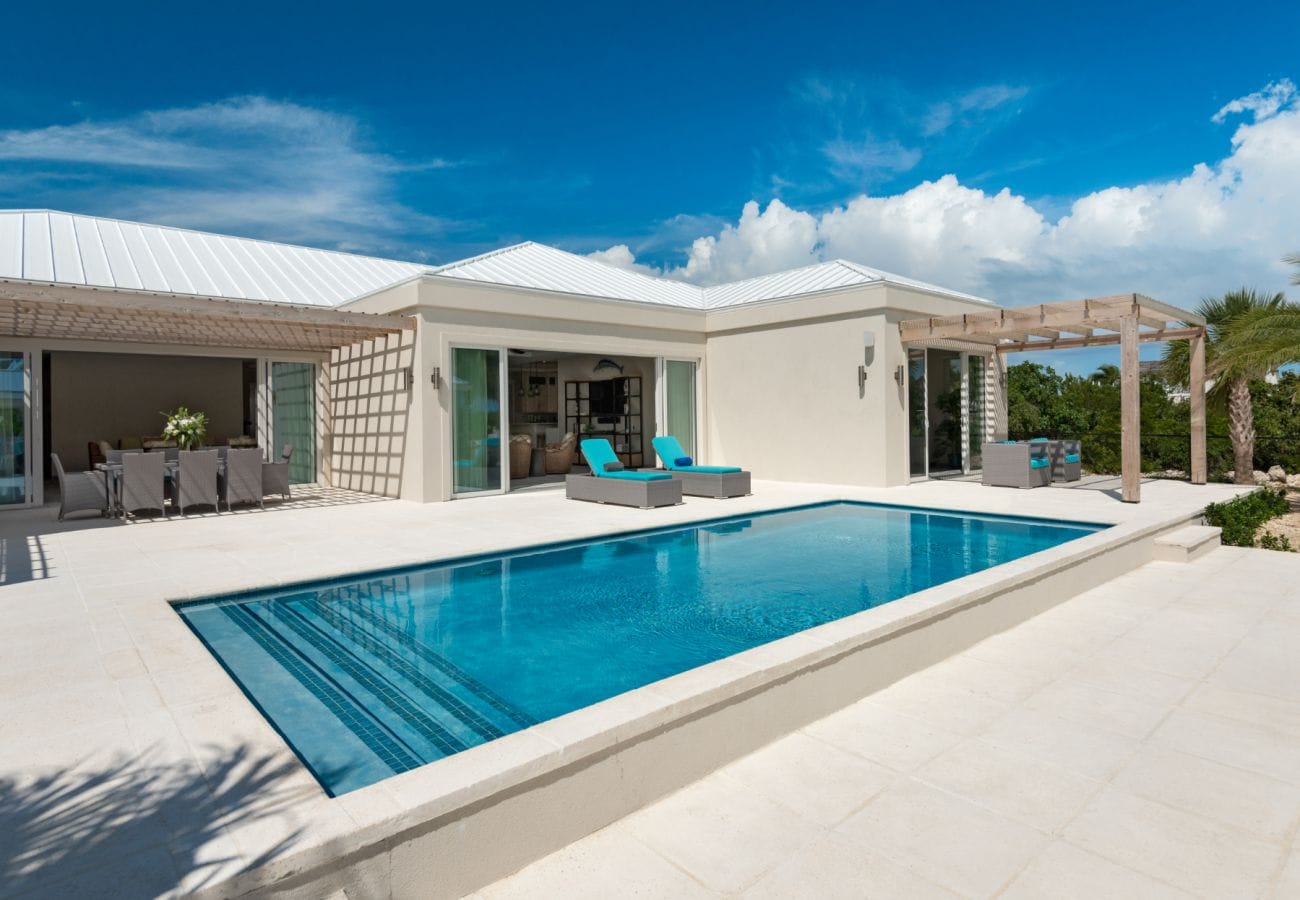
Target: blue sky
x: 1014, y: 150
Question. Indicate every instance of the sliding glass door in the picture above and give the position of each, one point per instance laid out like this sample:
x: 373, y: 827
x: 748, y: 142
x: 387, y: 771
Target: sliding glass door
x: 293, y: 417
x: 14, y: 420
x: 976, y: 405
x: 476, y: 381
x: 946, y: 412
x: 679, y: 403
x: 916, y: 418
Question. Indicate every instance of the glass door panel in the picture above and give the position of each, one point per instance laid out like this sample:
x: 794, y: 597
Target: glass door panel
x: 293, y: 417
x: 916, y: 430
x: 13, y: 428
x: 943, y: 384
x: 476, y: 420
x: 680, y: 418
x: 975, y: 406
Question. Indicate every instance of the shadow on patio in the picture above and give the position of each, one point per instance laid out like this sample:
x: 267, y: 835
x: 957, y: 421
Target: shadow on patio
x: 137, y: 826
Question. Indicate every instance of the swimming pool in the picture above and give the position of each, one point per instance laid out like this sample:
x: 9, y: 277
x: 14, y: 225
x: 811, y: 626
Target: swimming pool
x: 377, y: 674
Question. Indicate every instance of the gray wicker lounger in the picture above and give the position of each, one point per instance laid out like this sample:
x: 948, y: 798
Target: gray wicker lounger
x: 607, y: 484
x: 719, y: 482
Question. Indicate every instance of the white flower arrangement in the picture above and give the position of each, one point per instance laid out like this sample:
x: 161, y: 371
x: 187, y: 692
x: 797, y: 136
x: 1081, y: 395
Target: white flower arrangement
x: 187, y: 429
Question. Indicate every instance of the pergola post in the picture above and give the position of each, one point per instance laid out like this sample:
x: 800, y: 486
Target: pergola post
x: 1196, y: 383
x: 1130, y: 405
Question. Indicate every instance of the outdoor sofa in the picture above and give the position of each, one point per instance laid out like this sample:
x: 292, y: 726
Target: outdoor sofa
x: 1017, y: 464
x: 609, y: 482
x: 718, y: 482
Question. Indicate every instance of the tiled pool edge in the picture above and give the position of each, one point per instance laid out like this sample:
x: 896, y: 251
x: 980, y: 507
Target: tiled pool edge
x: 453, y: 826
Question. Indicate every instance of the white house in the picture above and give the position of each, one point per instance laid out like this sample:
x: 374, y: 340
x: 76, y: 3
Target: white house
x: 408, y: 380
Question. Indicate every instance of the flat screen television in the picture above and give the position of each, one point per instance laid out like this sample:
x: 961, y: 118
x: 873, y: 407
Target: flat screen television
x: 607, y: 397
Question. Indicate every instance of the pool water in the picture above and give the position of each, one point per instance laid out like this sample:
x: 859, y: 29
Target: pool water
x: 374, y: 675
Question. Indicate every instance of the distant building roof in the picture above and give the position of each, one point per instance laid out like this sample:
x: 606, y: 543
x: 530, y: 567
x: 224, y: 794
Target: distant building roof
x: 45, y: 246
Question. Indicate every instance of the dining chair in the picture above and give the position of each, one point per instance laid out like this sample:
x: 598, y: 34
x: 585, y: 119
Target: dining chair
x: 243, y: 476
x: 143, y: 477
x: 196, y: 480
x: 275, y: 475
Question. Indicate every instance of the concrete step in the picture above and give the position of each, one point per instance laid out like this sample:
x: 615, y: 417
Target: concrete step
x: 1187, y: 544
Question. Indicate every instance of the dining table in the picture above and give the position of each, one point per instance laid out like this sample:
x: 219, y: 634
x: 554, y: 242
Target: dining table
x: 113, y: 474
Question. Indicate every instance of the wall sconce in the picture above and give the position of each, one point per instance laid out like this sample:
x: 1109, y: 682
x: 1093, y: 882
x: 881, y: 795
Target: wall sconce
x: 408, y: 378
x: 868, y: 351
x: 900, y: 373
x: 436, y: 377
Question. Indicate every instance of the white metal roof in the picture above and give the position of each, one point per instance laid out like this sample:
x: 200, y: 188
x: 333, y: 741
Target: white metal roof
x: 61, y: 248
x: 538, y: 266
x: 56, y: 247
x: 533, y: 265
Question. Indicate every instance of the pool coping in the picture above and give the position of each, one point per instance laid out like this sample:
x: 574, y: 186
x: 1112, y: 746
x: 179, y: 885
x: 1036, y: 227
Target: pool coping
x: 396, y: 814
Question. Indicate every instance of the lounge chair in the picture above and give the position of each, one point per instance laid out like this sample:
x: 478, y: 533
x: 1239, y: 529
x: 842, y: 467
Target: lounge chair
x: 79, y: 491
x: 609, y: 482
x: 1015, y: 464
x: 700, y: 481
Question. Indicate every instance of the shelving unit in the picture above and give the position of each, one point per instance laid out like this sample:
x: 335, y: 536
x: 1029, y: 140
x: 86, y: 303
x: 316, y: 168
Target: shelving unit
x: 623, y: 432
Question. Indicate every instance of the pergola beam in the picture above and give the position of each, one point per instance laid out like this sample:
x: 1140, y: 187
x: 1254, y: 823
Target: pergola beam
x: 1097, y: 340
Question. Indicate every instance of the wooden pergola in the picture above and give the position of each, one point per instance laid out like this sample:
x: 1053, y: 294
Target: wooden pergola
x: 1126, y: 319
x: 30, y: 310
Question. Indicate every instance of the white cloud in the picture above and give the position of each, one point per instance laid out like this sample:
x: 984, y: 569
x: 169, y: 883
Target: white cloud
x: 969, y: 107
x: 1222, y: 225
x: 621, y: 255
x: 1263, y: 104
x: 246, y: 165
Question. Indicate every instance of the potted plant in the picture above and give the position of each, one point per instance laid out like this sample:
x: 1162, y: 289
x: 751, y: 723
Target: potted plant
x: 188, y: 429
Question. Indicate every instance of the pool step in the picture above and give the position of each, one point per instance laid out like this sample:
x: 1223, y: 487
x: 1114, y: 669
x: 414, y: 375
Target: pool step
x: 1187, y: 544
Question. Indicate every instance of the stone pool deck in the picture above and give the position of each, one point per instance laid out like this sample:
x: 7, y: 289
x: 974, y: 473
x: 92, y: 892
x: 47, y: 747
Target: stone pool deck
x: 1139, y: 740
x: 130, y: 764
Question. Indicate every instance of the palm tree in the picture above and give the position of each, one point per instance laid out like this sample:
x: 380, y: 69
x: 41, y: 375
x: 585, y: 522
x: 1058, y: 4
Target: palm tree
x: 1232, y: 363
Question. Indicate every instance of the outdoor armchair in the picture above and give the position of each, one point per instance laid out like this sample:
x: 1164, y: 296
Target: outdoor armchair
x: 1018, y: 465
x: 79, y: 491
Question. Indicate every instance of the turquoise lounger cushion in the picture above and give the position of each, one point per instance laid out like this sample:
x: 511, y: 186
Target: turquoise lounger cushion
x: 638, y: 476
x: 1038, y: 440
x: 1072, y: 457
x: 1039, y: 463
x: 671, y: 454
x: 599, y: 454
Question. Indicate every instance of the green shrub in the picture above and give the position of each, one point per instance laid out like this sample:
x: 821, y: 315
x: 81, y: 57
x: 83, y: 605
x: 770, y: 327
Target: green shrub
x: 1275, y: 542
x: 1241, y: 518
